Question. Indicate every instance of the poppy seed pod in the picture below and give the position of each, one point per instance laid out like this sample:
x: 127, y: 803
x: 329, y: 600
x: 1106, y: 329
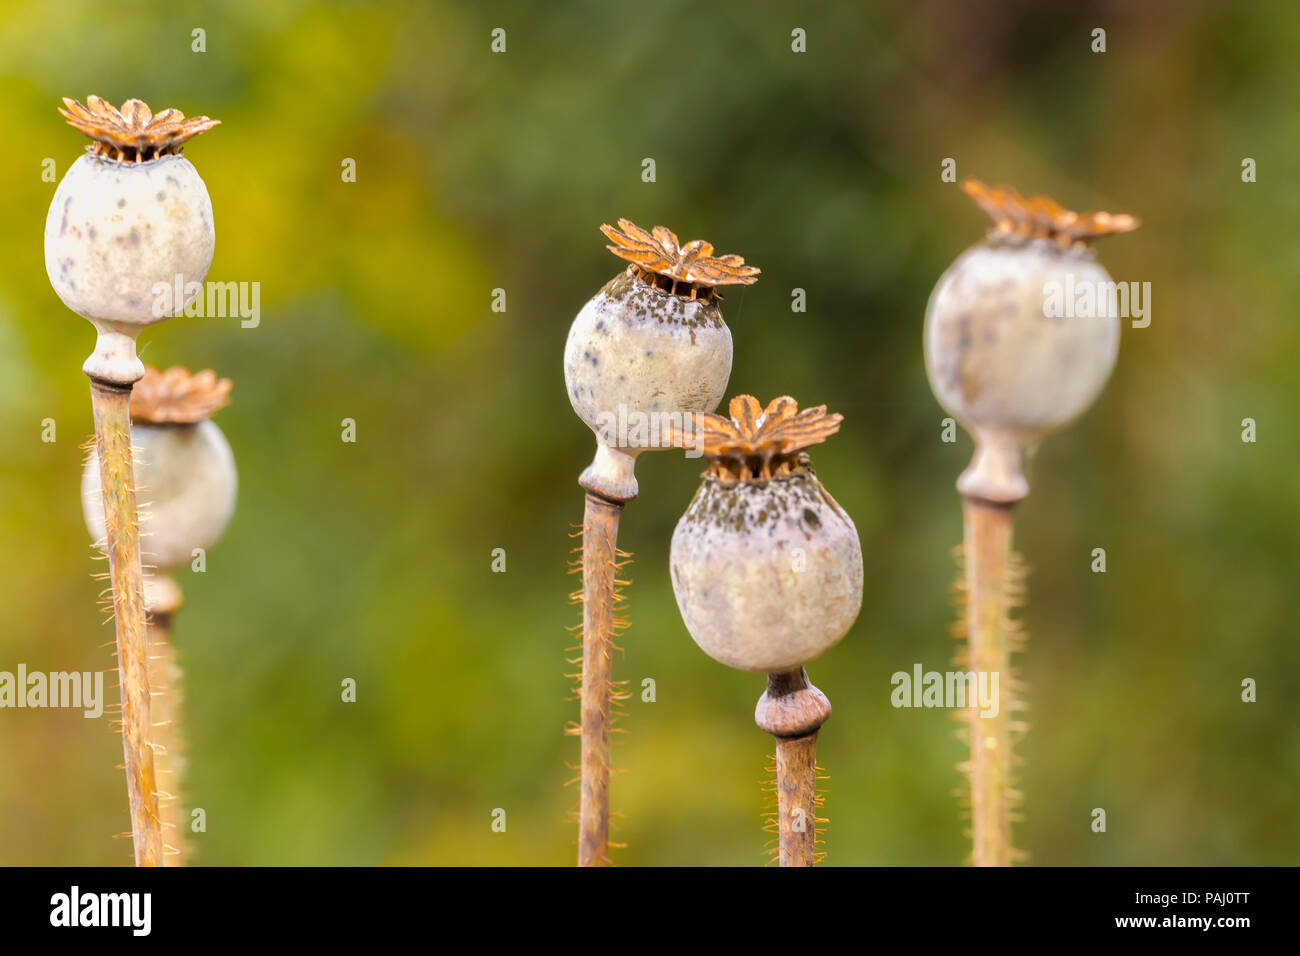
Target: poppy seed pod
x: 129, y: 218
x: 766, y: 566
x: 999, y: 358
x: 648, y: 346
x: 184, y: 469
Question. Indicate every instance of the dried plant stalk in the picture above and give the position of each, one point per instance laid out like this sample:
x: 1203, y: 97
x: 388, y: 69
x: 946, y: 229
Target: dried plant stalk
x: 111, y: 406
x: 792, y: 710
x: 796, y: 792
x: 599, y: 594
x: 991, y: 586
x: 165, y: 685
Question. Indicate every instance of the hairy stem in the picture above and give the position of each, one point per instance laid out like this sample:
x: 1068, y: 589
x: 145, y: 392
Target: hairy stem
x: 165, y: 681
x: 599, y: 569
x: 796, y: 794
x: 988, y: 562
x: 111, y: 406
x: 792, y: 710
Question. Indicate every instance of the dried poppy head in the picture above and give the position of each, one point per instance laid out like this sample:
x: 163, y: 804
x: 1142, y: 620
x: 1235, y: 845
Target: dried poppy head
x: 660, y: 260
x: 1004, y: 355
x: 184, y: 468
x: 756, y: 443
x: 649, y: 348
x: 766, y: 566
x: 130, y: 222
x: 1041, y: 217
x: 178, y: 397
x: 133, y: 134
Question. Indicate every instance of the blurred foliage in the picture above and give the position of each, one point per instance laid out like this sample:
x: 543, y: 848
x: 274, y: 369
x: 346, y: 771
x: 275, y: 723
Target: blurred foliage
x: 479, y: 171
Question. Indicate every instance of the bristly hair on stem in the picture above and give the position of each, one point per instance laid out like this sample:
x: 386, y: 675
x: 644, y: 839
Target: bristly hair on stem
x: 990, y: 585
x: 602, y: 599
x: 792, y: 710
x: 165, y: 690
x: 771, y: 813
x: 111, y: 406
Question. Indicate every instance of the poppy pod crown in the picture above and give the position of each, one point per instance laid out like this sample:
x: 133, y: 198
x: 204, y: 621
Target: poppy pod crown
x: 133, y: 134
x: 757, y: 444
x: 659, y: 259
x: 1041, y: 217
x: 178, y: 397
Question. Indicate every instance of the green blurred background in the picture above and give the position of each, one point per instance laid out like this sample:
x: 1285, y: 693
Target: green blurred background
x: 478, y: 171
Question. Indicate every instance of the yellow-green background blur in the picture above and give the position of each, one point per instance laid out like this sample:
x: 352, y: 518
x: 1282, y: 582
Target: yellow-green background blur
x: 478, y: 171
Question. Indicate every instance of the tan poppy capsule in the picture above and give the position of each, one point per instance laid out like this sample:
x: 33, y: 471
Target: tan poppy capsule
x: 129, y: 225
x: 649, y: 347
x: 766, y: 566
x: 999, y: 357
x: 184, y: 469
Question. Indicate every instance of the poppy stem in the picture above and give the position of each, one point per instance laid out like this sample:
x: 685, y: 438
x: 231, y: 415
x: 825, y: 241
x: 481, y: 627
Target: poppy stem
x: 792, y: 710
x: 111, y: 406
x: 796, y: 791
x: 991, y: 637
x: 599, y: 586
x: 162, y: 601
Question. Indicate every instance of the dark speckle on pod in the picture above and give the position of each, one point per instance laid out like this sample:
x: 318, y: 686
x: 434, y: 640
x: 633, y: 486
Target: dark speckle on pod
x: 767, y: 575
x: 648, y: 348
x: 766, y: 566
x: 1000, y: 357
x: 633, y: 351
x: 120, y: 201
x: 994, y: 355
x: 116, y: 189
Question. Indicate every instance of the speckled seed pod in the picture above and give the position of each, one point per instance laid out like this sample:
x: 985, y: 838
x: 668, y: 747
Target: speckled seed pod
x: 766, y: 566
x: 130, y: 224
x: 651, y: 343
x: 997, y: 360
x: 184, y: 469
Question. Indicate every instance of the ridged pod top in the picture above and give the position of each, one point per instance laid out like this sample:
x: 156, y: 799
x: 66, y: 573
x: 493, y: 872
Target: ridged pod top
x: 662, y: 261
x: 757, y: 444
x: 133, y: 134
x: 1041, y: 217
x: 176, y: 396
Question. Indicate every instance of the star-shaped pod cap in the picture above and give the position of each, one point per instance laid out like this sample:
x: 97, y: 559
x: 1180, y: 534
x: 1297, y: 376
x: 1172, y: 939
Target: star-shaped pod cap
x: 178, y: 397
x: 1041, y: 217
x: 133, y: 134
x: 658, y: 253
x: 757, y: 444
